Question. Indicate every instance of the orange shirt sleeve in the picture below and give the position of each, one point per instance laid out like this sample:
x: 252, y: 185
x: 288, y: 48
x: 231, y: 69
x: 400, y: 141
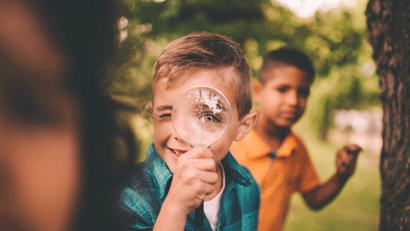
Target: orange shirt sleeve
x: 308, y: 178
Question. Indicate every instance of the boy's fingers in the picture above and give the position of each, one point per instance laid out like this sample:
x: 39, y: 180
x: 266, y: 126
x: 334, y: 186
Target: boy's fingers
x: 209, y: 177
x: 344, y: 156
x: 204, y: 183
x: 197, y: 168
x: 346, y: 159
x: 353, y: 149
x: 207, y: 188
x: 342, y: 168
x: 198, y: 153
x: 208, y: 165
x: 349, y: 158
x: 196, y: 178
x: 197, y: 165
x: 205, y: 165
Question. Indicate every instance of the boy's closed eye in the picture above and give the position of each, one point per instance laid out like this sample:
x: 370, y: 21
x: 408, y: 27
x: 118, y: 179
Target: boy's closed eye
x: 165, y: 115
x: 164, y: 112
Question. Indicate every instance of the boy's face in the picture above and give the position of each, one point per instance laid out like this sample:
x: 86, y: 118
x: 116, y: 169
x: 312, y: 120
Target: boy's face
x: 167, y: 142
x: 283, y: 97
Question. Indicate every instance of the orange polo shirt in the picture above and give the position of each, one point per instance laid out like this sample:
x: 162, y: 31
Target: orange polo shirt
x: 291, y: 170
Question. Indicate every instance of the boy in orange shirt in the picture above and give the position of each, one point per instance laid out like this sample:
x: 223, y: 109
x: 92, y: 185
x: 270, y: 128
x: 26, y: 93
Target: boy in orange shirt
x: 276, y: 157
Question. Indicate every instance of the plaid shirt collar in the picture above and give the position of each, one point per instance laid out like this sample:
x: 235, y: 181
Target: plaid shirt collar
x: 142, y: 197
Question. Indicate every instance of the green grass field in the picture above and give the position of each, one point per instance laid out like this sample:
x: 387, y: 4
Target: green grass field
x: 355, y: 208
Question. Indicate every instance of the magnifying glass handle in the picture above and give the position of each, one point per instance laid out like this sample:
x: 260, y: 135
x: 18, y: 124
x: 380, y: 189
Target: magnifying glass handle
x: 199, y: 215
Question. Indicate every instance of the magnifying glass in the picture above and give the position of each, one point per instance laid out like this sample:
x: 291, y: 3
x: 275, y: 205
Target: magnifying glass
x: 201, y: 115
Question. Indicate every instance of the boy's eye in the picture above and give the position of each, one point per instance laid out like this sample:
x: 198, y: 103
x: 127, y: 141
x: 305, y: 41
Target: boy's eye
x: 209, y: 118
x: 282, y: 89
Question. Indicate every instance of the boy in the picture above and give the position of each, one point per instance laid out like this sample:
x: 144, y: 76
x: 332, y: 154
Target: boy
x: 275, y: 156
x: 176, y: 178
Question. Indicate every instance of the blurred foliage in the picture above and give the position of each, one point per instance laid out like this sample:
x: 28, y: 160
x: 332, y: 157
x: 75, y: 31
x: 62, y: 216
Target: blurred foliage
x: 335, y: 40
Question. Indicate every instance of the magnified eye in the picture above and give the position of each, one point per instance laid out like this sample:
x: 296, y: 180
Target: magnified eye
x: 209, y: 118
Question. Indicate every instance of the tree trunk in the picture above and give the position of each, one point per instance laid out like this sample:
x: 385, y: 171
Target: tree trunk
x: 388, y: 24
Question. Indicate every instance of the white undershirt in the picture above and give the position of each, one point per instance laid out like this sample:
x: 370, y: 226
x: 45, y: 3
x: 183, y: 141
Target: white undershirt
x: 211, y: 207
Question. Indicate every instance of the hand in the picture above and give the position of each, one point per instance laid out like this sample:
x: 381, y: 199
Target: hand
x: 195, y: 177
x: 346, y: 159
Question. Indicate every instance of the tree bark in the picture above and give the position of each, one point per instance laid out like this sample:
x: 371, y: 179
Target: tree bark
x: 388, y: 23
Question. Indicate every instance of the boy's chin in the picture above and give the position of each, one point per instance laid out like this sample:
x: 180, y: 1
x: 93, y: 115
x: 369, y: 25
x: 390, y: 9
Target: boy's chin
x: 289, y: 122
x: 285, y: 126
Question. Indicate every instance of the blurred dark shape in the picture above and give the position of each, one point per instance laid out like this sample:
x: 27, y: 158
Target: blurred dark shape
x: 57, y: 168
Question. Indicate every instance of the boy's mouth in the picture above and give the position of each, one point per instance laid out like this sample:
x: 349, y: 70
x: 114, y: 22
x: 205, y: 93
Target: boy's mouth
x: 176, y: 153
x: 290, y: 115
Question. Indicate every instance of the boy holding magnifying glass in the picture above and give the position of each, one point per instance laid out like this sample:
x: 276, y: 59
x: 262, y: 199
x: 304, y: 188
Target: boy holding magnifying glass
x: 176, y: 178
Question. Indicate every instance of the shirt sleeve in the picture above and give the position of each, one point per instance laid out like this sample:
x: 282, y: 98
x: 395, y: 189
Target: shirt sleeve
x: 308, y: 178
x: 137, y: 207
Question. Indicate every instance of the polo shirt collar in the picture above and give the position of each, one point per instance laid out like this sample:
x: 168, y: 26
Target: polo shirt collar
x: 163, y: 175
x: 261, y: 149
x: 288, y: 146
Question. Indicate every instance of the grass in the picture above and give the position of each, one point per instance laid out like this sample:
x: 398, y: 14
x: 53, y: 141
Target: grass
x: 357, y: 205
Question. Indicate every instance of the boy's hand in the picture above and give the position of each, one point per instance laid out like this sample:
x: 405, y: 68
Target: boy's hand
x: 346, y: 159
x: 194, y: 177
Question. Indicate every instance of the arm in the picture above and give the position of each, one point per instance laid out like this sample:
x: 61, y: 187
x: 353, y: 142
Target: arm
x: 170, y: 217
x: 194, y: 178
x: 346, y: 159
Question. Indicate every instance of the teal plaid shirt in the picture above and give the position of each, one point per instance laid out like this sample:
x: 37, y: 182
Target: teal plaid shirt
x: 146, y: 189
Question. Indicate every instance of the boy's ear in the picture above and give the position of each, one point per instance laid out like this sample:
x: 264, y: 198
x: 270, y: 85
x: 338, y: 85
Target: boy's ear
x: 150, y: 106
x: 257, y: 87
x: 246, y: 124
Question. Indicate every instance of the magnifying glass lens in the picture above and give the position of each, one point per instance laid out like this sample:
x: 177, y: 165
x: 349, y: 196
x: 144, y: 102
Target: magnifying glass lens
x: 201, y: 115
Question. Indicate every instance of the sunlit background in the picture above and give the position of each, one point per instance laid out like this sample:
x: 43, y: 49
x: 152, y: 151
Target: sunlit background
x: 307, y: 8
x: 343, y: 107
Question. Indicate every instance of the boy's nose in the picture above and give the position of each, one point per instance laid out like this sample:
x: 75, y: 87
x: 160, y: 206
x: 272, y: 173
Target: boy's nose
x: 292, y: 98
x: 178, y: 138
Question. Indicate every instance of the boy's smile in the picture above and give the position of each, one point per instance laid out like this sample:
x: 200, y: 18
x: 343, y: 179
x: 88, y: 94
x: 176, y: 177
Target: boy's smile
x: 168, y: 143
x: 176, y: 153
x: 283, y: 97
